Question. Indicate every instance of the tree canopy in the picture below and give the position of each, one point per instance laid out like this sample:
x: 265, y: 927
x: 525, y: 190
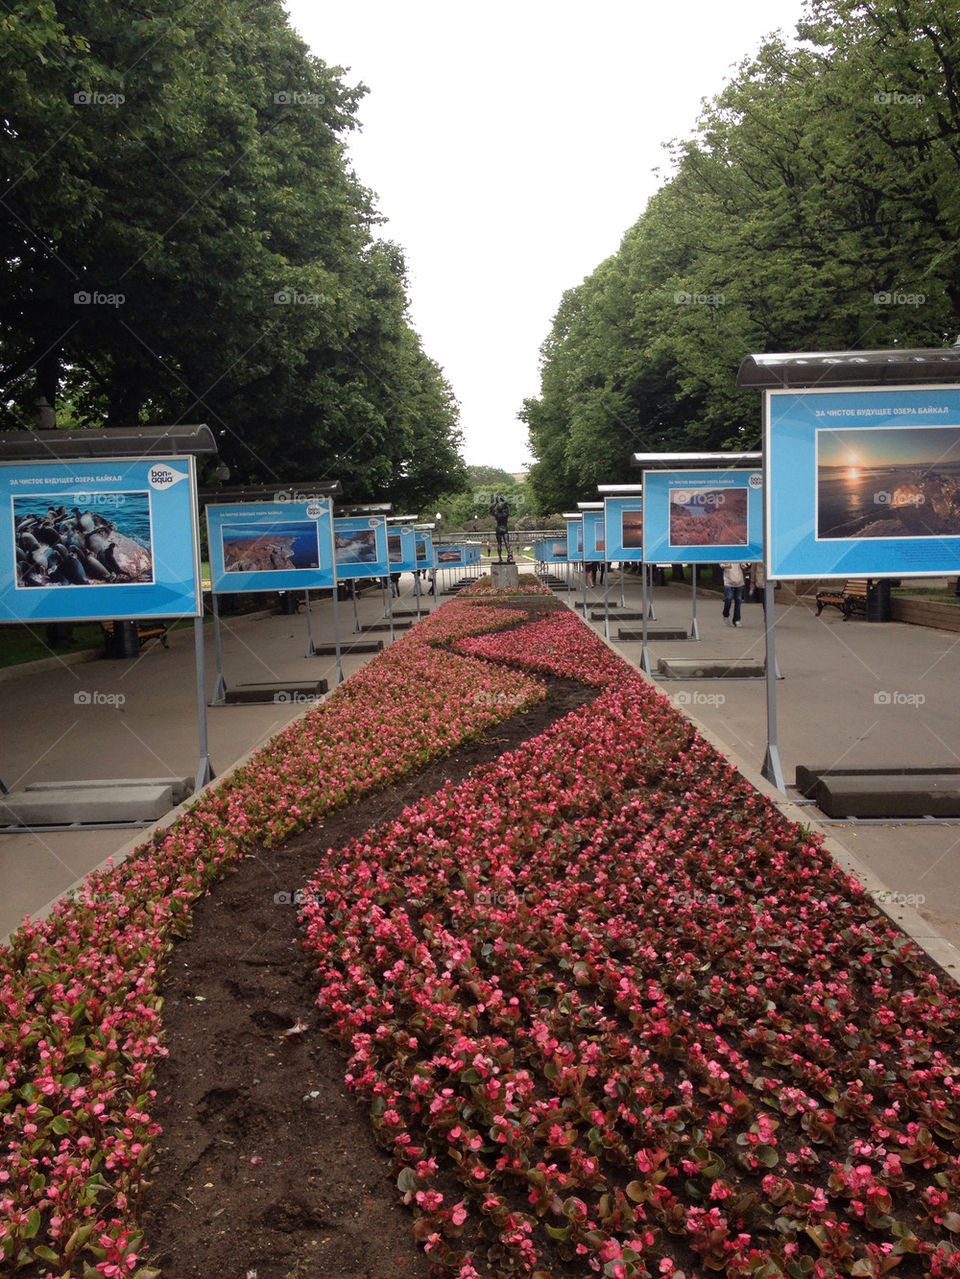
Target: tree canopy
x: 183, y: 240
x: 817, y: 207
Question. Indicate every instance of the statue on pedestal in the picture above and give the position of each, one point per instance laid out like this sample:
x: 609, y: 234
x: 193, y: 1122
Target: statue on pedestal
x: 501, y: 513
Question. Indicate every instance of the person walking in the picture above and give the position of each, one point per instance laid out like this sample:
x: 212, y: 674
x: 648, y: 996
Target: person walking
x: 733, y: 583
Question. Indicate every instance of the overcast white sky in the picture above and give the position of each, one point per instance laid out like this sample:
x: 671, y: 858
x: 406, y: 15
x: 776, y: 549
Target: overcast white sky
x: 511, y: 145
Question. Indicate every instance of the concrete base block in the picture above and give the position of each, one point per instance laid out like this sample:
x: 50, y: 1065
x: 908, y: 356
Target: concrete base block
x: 68, y: 804
x: 809, y: 776
x: 711, y: 668
x: 348, y: 647
x: 654, y: 633
x: 385, y: 626
x: 890, y: 795
x: 302, y: 691
x: 182, y: 786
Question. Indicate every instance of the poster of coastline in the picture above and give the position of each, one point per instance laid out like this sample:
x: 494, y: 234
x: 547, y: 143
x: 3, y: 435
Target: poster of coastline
x: 888, y: 481
x: 594, y: 538
x: 402, y: 548
x: 361, y: 546
x: 623, y: 522
x: 703, y: 517
x: 575, y: 539
x: 270, y: 546
x: 84, y: 541
x: 863, y: 482
x: 551, y: 551
x: 451, y: 556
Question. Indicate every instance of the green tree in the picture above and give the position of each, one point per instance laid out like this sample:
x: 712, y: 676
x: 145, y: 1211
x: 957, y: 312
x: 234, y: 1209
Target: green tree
x: 815, y: 209
x: 183, y: 240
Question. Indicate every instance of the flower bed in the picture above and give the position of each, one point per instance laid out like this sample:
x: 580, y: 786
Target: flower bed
x: 528, y: 585
x: 81, y: 1023
x: 612, y: 1012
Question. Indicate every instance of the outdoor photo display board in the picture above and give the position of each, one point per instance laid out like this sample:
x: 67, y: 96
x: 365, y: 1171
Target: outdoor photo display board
x: 112, y: 538
x: 551, y: 550
x: 703, y: 517
x: 456, y: 556
x: 361, y: 546
x: 594, y: 541
x: 863, y: 482
x: 402, y: 548
x: 623, y: 524
x: 270, y: 546
x: 424, y: 548
x: 575, y: 539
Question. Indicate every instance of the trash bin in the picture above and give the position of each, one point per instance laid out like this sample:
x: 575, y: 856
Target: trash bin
x: 288, y: 602
x: 878, y: 600
x: 123, y: 640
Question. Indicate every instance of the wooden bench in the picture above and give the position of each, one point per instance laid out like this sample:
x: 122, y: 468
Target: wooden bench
x: 850, y: 598
x: 146, y: 631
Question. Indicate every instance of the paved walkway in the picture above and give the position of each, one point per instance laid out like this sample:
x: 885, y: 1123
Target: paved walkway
x: 833, y: 707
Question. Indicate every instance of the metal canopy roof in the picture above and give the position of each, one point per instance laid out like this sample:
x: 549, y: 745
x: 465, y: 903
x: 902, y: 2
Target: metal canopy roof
x: 108, y: 441
x: 850, y: 368
x: 590, y: 506
x: 671, y: 459
x: 302, y: 491
x: 572, y: 515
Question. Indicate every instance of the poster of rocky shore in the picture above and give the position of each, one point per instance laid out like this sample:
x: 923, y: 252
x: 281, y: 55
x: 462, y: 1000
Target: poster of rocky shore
x: 82, y: 541
x: 270, y: 546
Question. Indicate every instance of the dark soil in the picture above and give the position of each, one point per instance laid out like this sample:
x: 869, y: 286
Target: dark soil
x: 266, y: 1166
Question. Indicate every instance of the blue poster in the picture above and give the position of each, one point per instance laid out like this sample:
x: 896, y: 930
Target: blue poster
x: 112, y: 538
x: 270, y: 546
x: 595, y: 547
x: 863, y: 482
x: 456, y: 556
x: 424, y: 548
x: 361, y: 546
x: 575, y: 539
x: 703, y: 517
x: 623, y: 522
x: 551, y: 551
x: 402, y: 548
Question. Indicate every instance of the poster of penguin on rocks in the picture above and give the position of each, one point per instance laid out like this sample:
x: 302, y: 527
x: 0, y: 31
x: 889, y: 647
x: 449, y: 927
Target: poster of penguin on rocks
x: 96, y: 540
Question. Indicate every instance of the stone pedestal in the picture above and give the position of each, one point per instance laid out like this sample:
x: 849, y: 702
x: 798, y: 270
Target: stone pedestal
x: 504, y: 576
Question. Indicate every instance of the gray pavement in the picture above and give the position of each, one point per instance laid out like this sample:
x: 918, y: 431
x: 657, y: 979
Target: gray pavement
x: 853, y: 693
